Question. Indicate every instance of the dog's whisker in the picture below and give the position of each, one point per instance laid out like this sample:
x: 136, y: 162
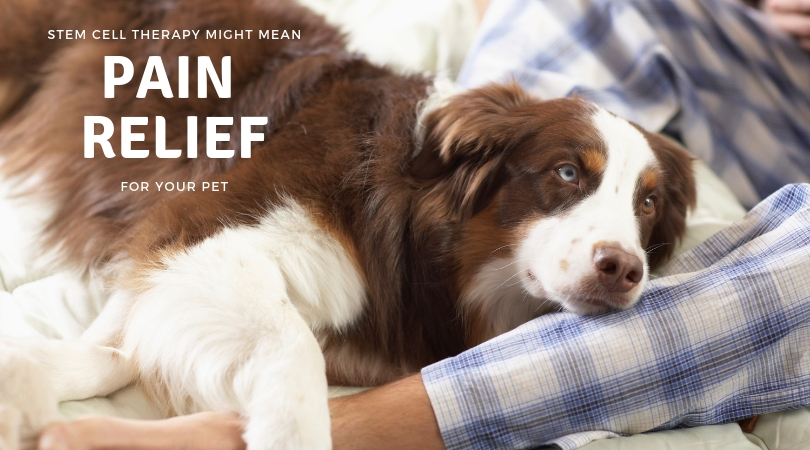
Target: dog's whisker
x: 519, y: 281
x: 515, y: 262
x: 501, y: 248
x: 504, y: 282
x: 657, y: 246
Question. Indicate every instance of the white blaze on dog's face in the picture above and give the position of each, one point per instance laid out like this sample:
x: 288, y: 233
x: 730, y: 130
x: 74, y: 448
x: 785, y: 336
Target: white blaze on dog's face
x: 591, y: 257
x: 562, y: 205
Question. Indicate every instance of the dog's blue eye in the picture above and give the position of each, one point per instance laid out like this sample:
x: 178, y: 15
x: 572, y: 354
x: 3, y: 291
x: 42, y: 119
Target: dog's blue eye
x: 568, y: 173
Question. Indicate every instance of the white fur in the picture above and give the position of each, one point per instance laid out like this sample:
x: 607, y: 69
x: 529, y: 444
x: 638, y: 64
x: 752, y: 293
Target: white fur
x: 37, y: 374
x: 228, y: 324
x: 225, y: 325
x: 27, y: 400
x: 21, y: 227
x: 498, y: 291
x: 235, y: 316
x: 558, y: 250
x: 439, y: 95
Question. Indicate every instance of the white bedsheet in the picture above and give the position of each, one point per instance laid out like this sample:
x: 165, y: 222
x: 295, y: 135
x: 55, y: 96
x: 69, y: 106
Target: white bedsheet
x: 40, y: 301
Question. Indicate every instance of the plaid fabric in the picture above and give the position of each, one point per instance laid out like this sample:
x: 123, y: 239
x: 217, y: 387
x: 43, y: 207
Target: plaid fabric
x: 714, y: 74
x: 723, y: 335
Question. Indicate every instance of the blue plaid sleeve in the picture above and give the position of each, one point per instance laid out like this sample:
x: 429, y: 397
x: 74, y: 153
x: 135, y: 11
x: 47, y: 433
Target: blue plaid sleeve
x: 712, y: 73
x: 723, y: 335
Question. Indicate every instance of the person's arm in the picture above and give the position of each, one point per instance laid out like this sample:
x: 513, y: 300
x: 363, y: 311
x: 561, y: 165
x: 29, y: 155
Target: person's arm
x: 719, y: 338
x: 397, y: 416
x: 202, y: 431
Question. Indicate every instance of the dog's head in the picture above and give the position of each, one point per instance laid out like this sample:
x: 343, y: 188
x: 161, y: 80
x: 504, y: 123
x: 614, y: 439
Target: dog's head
x: 558, y: 200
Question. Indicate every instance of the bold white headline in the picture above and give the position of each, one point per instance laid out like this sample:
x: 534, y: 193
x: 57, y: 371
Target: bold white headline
x: 155, y: 78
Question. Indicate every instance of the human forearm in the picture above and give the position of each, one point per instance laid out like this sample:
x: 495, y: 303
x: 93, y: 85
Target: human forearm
x: 697, y: 348
x: 397, y: 416
x: 214, y: 431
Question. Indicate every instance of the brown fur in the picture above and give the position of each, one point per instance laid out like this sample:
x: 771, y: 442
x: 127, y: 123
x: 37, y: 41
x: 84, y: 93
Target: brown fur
x: 340, y: 140
x: 676, y: 195
x: 594, y: 160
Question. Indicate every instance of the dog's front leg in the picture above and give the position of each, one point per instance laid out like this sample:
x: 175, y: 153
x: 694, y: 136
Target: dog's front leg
x: 214, y: 329
x: 285, y: 393
x: 27, y: 399
x: 36, y: 374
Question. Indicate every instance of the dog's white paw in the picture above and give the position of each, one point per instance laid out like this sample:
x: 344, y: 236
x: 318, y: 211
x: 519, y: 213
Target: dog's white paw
x: 27, y: 399
x: 294, y: 416
x: 297, y: 431
x: 288, y: 404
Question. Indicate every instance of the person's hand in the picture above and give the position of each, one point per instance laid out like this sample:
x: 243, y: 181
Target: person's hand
x: 201, y: 431
x: 396, y: 416
x: 792, y: 16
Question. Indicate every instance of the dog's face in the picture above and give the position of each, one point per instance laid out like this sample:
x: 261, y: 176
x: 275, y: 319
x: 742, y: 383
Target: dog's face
x: 587, y: 197
x: 560, y: 198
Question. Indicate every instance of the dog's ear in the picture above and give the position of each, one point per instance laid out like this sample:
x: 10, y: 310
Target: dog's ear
x: 466, y: 142
x: 680, y: 196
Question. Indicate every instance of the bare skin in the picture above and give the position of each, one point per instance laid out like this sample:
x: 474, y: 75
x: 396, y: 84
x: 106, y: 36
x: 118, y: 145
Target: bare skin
x: 792, y: 17
x: 199, y: 431
x: 481, y: 7
x: 395, y: 416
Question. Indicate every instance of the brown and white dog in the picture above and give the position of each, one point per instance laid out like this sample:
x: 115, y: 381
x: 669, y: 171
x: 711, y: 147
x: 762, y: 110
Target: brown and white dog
x: 381, y: 225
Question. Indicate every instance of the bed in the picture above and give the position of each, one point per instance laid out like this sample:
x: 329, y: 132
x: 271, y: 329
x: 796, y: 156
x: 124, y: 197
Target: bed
x: 41, y: 301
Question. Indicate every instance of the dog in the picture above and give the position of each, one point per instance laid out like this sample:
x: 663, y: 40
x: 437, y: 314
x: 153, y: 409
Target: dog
x: 381, y: 223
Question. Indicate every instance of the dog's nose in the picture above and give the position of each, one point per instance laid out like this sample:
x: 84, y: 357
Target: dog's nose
x: 617, y: 270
